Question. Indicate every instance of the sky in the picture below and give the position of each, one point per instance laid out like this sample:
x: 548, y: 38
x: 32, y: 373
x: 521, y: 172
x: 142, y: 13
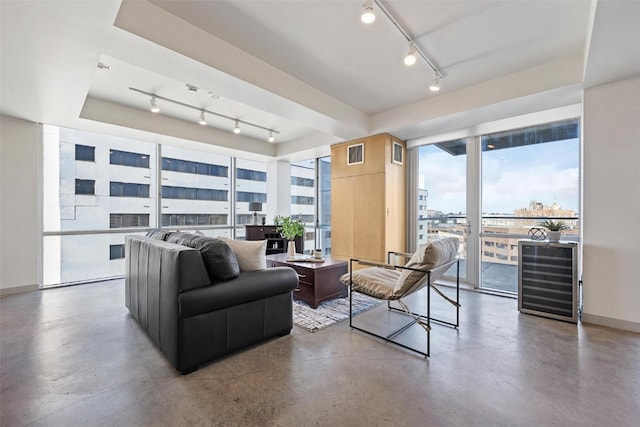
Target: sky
x: 511, y: 178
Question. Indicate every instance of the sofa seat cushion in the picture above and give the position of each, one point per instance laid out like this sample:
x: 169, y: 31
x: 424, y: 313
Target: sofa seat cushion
x: 248, y: 286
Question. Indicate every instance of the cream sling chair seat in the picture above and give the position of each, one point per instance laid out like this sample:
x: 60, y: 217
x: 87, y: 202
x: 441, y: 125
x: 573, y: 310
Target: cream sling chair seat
x: 393, y: 282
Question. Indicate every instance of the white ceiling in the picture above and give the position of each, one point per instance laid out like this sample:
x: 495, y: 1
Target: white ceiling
x: 309, y: 69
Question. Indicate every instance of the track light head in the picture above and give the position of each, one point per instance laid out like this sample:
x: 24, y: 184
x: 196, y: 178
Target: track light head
x: 435, y: 84
x: 271, y: 137
x: 368, y: 16
x: 154, y: 107
x: 410, y: 59
x: 236, y: 129
x: 202, y: 120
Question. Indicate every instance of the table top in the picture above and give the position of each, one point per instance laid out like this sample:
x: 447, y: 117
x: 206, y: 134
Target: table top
x: 328, y: 262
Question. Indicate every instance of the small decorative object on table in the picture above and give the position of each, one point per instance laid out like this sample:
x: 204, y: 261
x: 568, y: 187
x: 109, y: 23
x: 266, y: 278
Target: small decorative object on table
x: 289, y: 229
x: 555, y: 229
x: 537, y: 233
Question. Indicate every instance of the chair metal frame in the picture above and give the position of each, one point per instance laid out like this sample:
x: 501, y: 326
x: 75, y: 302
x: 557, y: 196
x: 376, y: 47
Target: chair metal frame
x: 414, y: 316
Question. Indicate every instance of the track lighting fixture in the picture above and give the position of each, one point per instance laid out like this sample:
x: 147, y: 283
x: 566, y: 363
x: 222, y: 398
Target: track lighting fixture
x: 367, y: 12
x: 435, y: 84
x: 410, y: 59
x: 202, y: 120
x: 154, y: 106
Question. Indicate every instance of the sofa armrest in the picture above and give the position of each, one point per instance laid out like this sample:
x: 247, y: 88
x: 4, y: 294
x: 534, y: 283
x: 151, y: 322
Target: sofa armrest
x: 248, y: 286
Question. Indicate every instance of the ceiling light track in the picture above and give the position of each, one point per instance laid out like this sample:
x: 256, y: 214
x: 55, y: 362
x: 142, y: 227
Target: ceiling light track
x: 154, y: 97
x: 412, y: 46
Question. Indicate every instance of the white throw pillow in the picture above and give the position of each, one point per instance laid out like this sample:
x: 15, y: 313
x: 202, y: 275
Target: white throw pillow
x: 249, y: 253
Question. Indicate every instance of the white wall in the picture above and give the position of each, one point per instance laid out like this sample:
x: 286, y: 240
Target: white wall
x: 611, y: 198
x: 20, y: 165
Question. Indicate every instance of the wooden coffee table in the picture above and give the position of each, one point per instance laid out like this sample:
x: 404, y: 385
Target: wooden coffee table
x: 317, y: 281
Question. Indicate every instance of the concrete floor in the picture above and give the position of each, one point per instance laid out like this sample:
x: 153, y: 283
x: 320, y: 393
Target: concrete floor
x: 74, y: 357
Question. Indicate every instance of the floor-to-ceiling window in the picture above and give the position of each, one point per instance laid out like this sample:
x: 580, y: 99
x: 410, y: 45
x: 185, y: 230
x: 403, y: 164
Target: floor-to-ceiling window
x: 251, y: 190
x: 517, y: 180
x: 442, y: 194
x: 99, y: 188
x: 528, y: 175
x: 195, y: 191
x: 303, y: 198
x: 323, y: 234
x: 311, y: 201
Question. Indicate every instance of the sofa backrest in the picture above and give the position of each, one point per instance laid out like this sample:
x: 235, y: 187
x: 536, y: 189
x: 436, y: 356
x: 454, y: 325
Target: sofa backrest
x: 156, y: 273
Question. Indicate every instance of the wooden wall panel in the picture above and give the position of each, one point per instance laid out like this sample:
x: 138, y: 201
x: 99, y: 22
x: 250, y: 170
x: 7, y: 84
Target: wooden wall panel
x: 374, y: 161
x: 342, y: 217
x: 369, y: 227
x: 368, y: 212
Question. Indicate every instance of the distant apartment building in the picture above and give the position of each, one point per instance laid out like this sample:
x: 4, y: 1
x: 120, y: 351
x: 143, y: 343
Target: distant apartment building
x: 500, y: 233
x: 98, y: 185
x: 504, y: 250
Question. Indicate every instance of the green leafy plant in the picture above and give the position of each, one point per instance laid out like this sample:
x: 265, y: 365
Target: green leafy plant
x: 554, y: 226
x: 289, y: 228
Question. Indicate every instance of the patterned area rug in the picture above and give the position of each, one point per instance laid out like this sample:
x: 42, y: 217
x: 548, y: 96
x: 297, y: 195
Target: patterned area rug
x: 329, y: 312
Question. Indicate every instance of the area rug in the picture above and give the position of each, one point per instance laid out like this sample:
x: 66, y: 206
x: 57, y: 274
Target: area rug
x: 329, y: 312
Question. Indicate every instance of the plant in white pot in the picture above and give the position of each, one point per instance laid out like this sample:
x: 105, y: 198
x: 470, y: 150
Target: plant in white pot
x: 289, y: 229
x: 555, y: 229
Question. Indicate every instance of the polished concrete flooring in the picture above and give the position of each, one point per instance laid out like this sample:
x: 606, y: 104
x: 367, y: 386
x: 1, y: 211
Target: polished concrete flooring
x: 74, y: 357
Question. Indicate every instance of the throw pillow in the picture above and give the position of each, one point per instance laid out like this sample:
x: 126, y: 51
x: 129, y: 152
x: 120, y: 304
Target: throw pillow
x: 218, y: 258
x: 249, y: 253
x: 181, y: 238
x: 157, y: 234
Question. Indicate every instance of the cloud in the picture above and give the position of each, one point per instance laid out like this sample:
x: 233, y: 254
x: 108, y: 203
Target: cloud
x: 511, y: 178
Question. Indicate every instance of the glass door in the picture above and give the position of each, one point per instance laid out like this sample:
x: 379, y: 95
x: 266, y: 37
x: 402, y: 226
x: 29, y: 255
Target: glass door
x: 442, y: 197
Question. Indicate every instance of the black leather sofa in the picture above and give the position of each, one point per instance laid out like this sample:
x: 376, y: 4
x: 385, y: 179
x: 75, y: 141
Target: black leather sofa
x: 189, y: 296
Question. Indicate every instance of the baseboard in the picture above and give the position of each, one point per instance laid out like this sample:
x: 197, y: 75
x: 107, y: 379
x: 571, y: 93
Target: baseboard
x: 18, y: 290
x: 625, y: 325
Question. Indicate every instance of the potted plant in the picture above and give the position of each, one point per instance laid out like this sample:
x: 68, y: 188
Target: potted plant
x: 289, y: 229
x: 555, y: 229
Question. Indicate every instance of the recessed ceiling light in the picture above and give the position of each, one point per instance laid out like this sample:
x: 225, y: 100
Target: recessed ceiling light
x: 191, y: 88
x: 213, y: 95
